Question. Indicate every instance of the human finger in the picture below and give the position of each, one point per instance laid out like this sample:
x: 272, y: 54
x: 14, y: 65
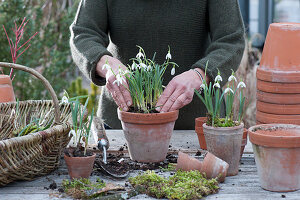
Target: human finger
x: 126, y: 94
x: 165, y: 96
x: 171, y: 100
x: 182, y: 100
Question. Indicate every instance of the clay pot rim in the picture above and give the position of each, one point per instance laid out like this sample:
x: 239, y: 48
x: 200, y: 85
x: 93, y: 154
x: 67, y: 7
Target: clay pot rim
x: 265, y: 74
x: 70, y: 157
x: 5, y: 79
x: 285, y: 25
x: 272, y: 140
x: 148, y: 118
x: 224, y: 128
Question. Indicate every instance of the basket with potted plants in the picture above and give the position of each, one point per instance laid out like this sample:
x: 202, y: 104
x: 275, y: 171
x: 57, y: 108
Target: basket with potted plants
x: 147, y: 132
x: 223, y: 135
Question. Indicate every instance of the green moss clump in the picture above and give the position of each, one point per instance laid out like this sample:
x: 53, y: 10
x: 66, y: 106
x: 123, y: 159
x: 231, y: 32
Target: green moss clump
x: 183, y: 185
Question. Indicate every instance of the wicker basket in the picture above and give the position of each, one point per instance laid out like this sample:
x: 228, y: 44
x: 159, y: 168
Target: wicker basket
x: 36, y: 154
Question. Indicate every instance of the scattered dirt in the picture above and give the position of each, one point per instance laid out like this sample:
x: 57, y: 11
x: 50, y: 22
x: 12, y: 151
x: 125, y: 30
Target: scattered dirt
x: 52, y: 185
x: 118, y: 164
x: 198, y: 153
x: 135, y: 110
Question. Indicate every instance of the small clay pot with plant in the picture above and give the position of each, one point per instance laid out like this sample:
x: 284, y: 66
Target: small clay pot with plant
x: 223, y: 135
x: 147, y: 132
x: 79, y: 160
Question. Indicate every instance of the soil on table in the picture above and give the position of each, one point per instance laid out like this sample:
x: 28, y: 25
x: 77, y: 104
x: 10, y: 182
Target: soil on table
x: 77, y: 152
x: 119, y: 165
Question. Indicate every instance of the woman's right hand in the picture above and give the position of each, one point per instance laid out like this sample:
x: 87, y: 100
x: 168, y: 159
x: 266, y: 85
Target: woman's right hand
x: 119, y: 92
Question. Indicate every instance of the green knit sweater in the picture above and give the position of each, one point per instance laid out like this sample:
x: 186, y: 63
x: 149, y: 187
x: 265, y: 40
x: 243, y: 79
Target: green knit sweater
x: 197, y: 31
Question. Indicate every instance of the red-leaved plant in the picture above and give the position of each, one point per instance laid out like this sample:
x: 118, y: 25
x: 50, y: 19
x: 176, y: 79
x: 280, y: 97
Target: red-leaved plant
x: 14, y: 45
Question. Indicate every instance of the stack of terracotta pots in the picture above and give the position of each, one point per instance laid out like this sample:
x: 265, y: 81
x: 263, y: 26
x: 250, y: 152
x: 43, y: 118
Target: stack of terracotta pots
x: 278, y: 77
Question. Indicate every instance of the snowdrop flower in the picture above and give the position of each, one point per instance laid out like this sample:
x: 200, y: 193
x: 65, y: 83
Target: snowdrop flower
x: 140, y: 55
x: 144, y: 66
x: 149, y: 68
x: 218, y: 78
x: 133, y: 66
x: 173, y: 71
x: 228, y: 90
x: 202, y: 86
x: 169, y: 56
x: 119, y: 79
x: 241, y: 84
x: 106, y: 66
x: 64, y: 99
x: 231, y: 78
x: 217, y: 85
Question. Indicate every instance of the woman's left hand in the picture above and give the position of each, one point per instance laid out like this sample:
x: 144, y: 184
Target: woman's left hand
x: 180, y: 91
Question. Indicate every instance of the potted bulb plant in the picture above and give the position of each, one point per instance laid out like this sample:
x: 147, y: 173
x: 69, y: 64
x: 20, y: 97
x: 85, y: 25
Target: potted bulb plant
x: 79, y: 161
x: 147, y: 132
x: 223, y: 135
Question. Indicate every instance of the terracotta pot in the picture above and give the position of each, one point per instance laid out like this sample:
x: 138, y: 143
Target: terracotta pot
x: 276, y: 149
x: 280, y: 109
x: 280, y: 59
x: 244, y: 142
x: 148, y: 135
x: 278, y: 98
x: 6, y: 89
x: 281, y: 88
x: 199, y: 130
x: 214, y: 167
x: 225, y: 143
x: 187, y: 163
x: 80, y: 167
x: 267, y: 118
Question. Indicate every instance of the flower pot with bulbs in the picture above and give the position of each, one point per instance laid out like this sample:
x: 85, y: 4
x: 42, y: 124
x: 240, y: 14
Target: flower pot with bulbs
x: 223, y: 135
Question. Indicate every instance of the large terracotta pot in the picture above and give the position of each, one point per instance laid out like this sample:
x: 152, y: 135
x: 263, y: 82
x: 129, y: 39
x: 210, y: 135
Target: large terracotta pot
x: 6, y: 89
x: 80, y: 167
x: 199, y: 130
x: 278, y: 98
x: 279, y: 109
x: 267, y: 118
x: 276, y: 149
x: 281, y: 88
x: 225, y: 143
x: 148, y: 135
x: 280, y: 60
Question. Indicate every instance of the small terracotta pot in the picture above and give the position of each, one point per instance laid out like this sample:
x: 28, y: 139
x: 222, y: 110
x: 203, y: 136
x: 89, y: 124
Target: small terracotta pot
x: 276, y: 149
x: 148, y: 135
x: 214, y: 167
x: 187, y: 163
x: 244, y: 142
x: 280, y: 58
x: 267, y: 118
x: 6, y: 89
x: 225, y: 143
x: 278, y: 98
x: 281, y: 88
x: 199, y: 130
x: 280, y: 109
x: 80, y: 167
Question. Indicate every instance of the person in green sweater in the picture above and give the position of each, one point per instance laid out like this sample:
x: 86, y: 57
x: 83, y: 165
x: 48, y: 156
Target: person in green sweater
x: 196, y: 31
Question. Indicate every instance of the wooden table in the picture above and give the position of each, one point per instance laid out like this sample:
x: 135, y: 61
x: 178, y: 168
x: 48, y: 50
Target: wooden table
x: 243, y: 186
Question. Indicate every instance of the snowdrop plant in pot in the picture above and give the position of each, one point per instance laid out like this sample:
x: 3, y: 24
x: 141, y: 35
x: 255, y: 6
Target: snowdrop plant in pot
x: 147, y: 132
x: 223, y: 135
x: 79, y: 161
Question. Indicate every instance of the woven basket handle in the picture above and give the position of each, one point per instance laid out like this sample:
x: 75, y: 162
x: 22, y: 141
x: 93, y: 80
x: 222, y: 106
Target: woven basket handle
x: 45, y: 82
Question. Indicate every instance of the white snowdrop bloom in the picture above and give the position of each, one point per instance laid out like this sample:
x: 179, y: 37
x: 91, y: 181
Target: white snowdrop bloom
x: 72, y: 133
x: 64, y: 99
x: 202, y: 86
x: 241, y: 84
x: 232, y: 78
x: 149, y: 68
x: 228, y: 90
x: 144, y: 66
x: 168, y: 56
x: 217, y: 85
x: 173, y: 71
x: 133, y: 66
x: 140, y: 55
x: 106, y: 66
x: 119, y: 79
x: 218, y: 78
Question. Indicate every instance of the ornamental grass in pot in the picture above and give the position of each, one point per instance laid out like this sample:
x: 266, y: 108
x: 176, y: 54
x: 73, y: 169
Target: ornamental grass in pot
x: 147, y: 131
x: 78, y: 159
x: 223, y: 135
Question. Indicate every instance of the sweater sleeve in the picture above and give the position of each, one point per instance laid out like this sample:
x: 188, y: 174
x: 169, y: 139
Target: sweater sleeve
x: 89, y: 37
x: 227, y: 39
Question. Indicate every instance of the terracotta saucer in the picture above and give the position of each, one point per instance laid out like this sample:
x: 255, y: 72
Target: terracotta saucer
x: 278, y: 98
x: 279, y: 109
x: 268, y: 118
x: 273, y: 87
